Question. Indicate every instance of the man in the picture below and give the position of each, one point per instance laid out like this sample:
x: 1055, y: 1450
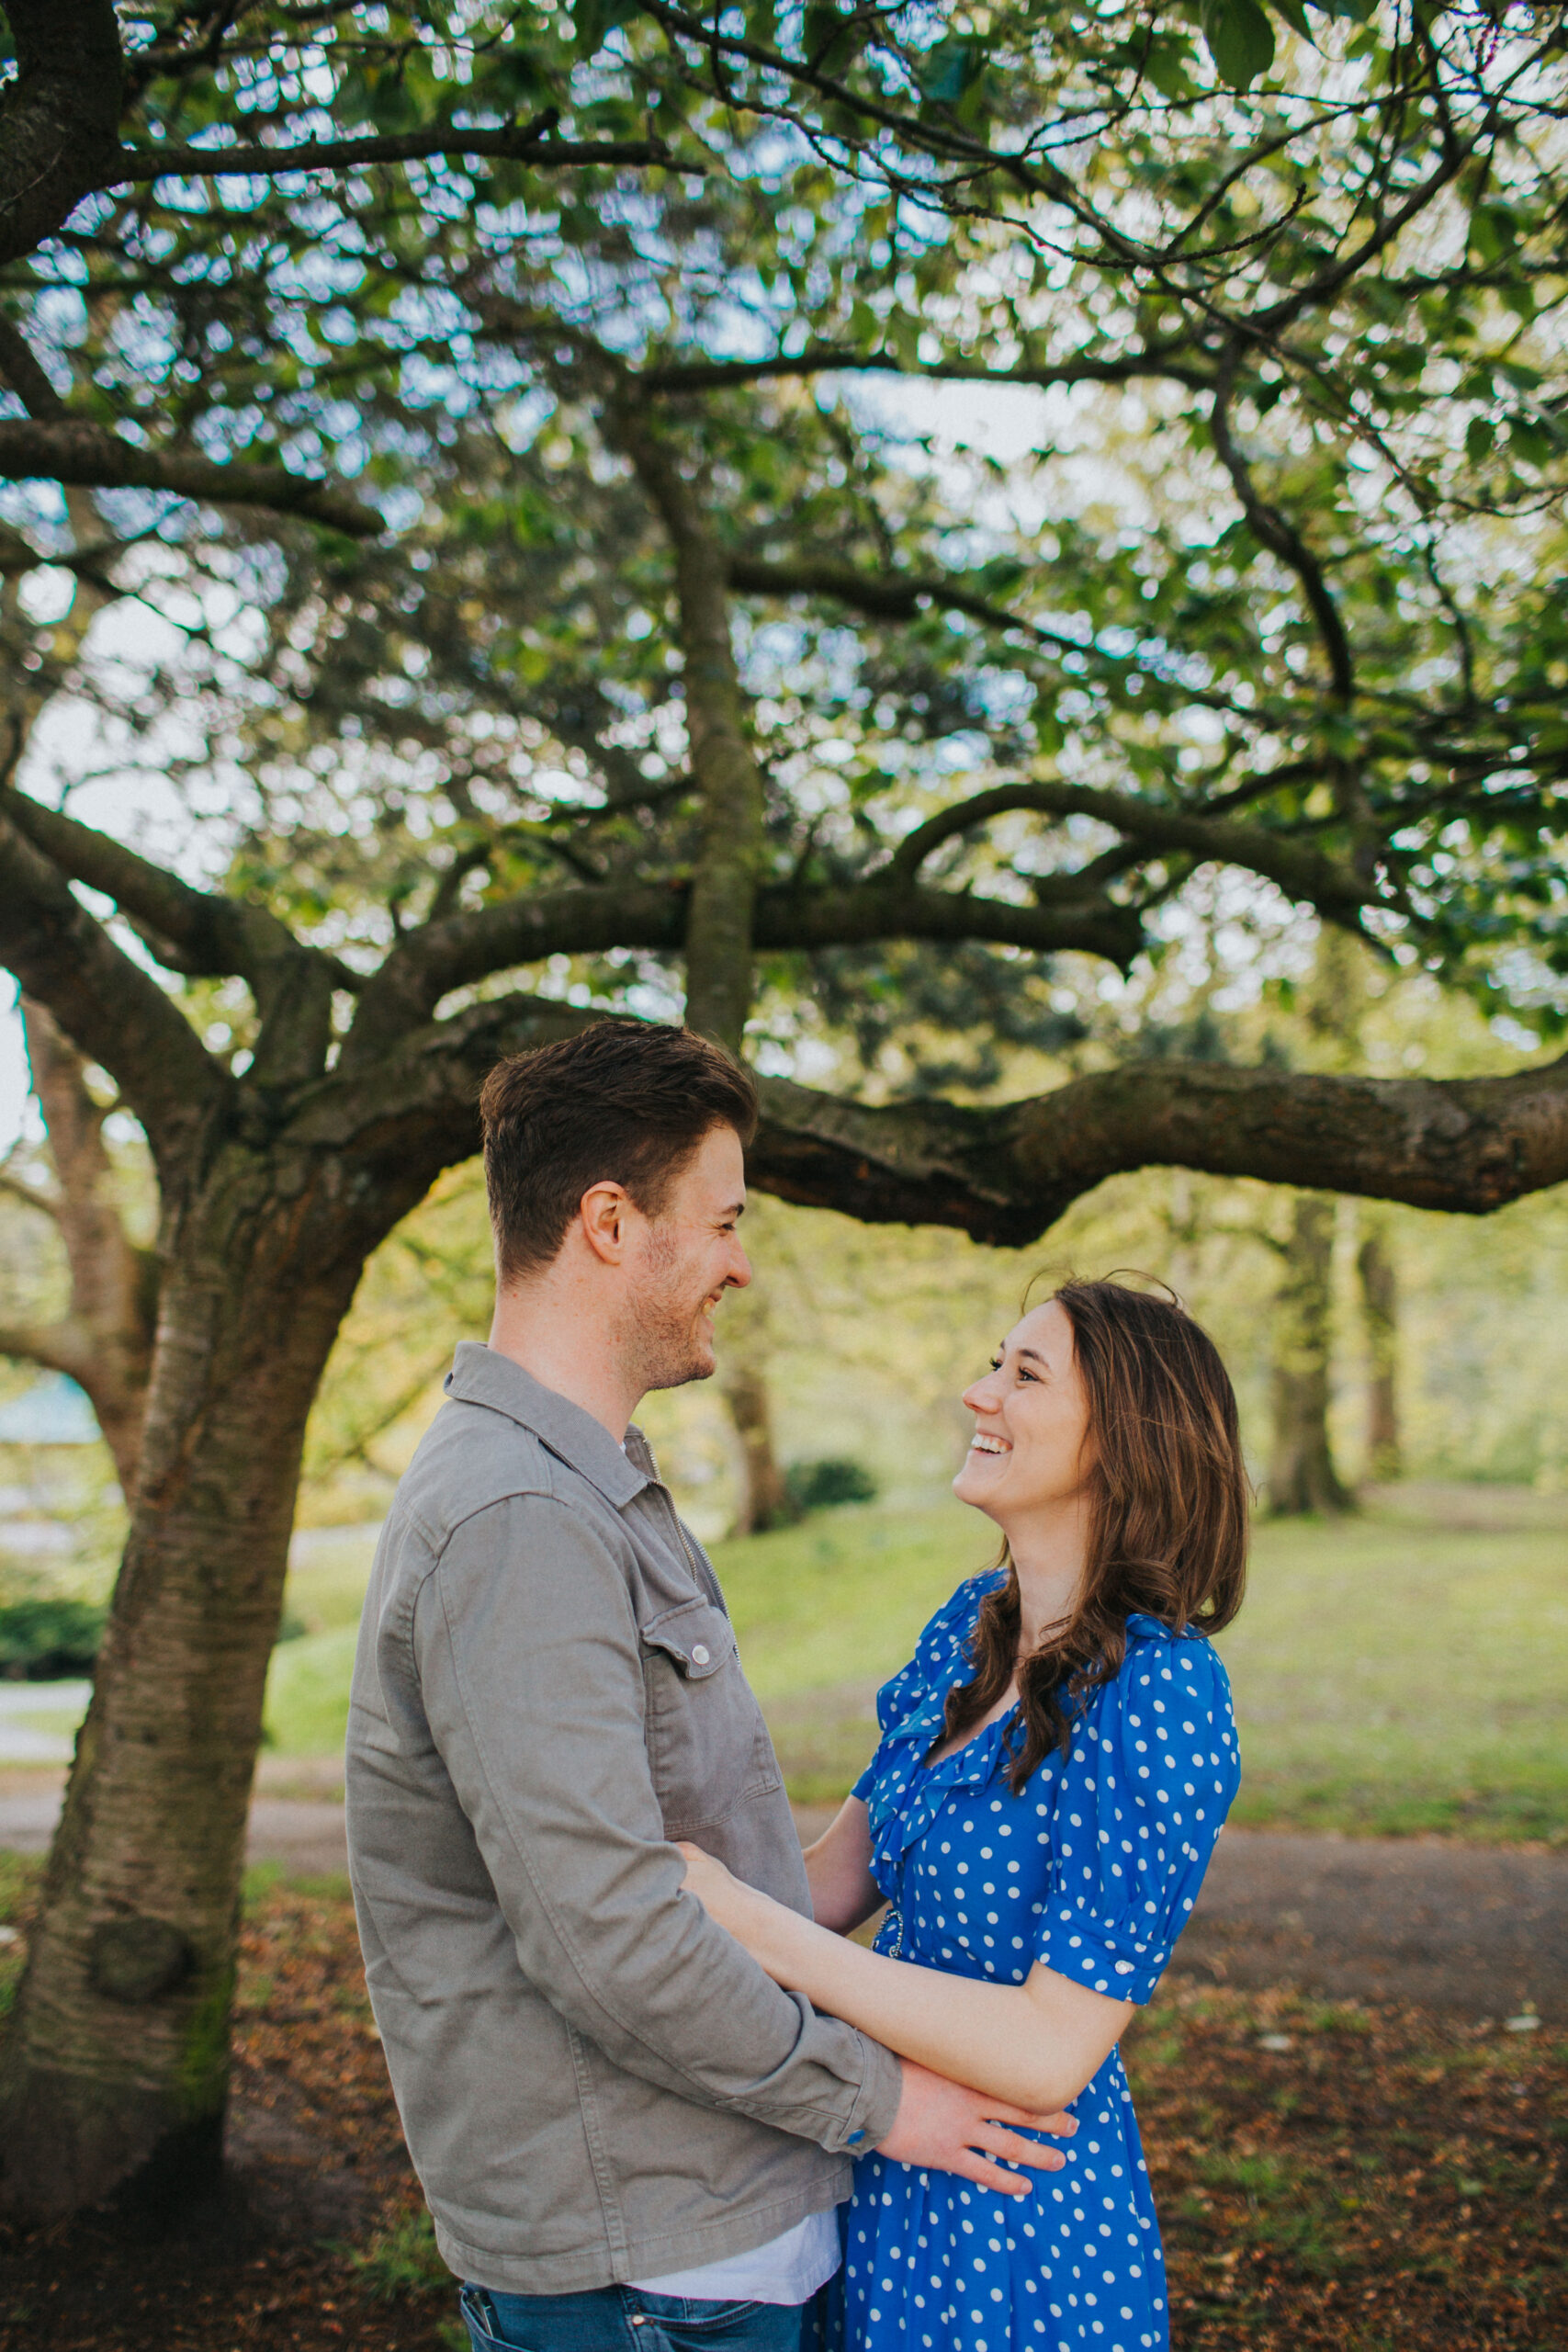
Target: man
x: 627, y: 2133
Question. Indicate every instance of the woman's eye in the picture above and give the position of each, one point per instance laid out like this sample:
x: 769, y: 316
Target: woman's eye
x: 996, y: 1363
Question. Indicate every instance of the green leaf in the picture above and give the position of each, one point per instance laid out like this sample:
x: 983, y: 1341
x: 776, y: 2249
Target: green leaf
x: 1295, y: 15
x: 950, y: 70
x: 1240, y: 39
x: 597, y: 19
x: 1479, y: 435
x: 1494, y: 232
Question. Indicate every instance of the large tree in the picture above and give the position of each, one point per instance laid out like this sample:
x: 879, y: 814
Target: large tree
x: 668, y: 672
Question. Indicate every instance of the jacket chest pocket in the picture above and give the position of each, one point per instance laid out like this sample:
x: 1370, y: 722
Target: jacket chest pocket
x: 708, y: 1745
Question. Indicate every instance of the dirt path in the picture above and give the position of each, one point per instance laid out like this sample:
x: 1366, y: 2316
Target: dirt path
x: 1480, y: 1929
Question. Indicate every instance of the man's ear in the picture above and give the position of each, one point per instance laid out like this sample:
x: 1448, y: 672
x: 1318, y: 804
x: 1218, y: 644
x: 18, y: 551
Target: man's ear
x: 602, y: 1214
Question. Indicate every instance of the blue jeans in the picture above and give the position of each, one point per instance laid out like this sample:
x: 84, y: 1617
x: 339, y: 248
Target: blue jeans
x: 624, y: 2319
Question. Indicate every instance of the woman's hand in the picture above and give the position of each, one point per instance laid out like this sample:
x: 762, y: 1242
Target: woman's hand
x: 753, y: 1919
x: 708, y: 1879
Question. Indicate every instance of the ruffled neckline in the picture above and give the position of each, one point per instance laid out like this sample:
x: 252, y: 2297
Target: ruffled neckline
x: 908, y: 1793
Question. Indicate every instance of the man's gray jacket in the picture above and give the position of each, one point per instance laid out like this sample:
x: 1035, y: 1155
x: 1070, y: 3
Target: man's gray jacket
x: 597, y: 2083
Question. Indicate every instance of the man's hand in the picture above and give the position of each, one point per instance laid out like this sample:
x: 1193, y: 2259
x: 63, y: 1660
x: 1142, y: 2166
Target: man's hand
x: 944, y: 2127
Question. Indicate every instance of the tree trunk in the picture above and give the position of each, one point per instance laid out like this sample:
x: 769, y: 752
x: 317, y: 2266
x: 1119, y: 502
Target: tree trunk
x: 765, y: 1500
x: 1302, y: 1476
x: 1380, y: 1316
x: 115, y: 2072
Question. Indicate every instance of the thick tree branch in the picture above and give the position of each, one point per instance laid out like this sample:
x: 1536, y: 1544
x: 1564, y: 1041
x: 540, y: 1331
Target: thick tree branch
x: 65, y: 1346
x: 429, y: 964
x: 729, y: 869
x: 74, y: 451
x: 518, y: 143
x: 1300, y: 870
x: 22, y: 369
x: 106, y: 1005
x: 1004, y: 1175
x: 882, y: 909
x: 725, y: 778
x: 208, y: 935
x: 60, y: 117
x: 414, y: 1110
x: 1165, y: 358
x: 203, y: 935
x: 900, y: 597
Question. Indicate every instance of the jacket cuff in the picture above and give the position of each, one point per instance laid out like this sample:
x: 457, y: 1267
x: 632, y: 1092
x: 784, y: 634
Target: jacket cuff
x: 876, y: 2103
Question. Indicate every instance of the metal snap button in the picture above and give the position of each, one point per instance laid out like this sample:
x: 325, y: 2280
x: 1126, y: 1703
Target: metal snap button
x: 699, y: 1654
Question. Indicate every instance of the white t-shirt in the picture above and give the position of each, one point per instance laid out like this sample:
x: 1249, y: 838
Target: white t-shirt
x: 788, y: 2270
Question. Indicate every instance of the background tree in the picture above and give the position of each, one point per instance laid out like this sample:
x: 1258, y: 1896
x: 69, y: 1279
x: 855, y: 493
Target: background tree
x: 1302, y: 1475
x: 668, y: 657
x: 764, y: 1497
x: 1379, y: 1281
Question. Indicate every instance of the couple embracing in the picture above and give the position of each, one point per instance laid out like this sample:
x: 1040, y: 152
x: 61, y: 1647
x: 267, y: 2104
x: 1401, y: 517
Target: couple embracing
x: 657, y: 2097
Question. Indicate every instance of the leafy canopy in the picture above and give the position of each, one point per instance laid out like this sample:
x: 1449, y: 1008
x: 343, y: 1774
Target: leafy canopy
x: 1279, y: 587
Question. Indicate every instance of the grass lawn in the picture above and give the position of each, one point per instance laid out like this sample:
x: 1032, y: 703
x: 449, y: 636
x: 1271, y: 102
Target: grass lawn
x: 1404, y: 1670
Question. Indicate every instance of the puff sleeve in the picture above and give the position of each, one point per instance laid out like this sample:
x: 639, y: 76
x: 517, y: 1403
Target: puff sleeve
x: 1153, y: 1772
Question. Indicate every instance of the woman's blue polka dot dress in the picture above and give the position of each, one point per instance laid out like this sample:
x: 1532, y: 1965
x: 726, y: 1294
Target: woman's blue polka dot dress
x: 1093, y: 1869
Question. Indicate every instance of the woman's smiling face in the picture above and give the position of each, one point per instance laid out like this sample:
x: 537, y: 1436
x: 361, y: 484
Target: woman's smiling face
x: 1031, y: 1451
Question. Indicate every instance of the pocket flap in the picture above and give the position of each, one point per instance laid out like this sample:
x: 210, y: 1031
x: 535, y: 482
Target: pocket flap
x: 699, y: 1637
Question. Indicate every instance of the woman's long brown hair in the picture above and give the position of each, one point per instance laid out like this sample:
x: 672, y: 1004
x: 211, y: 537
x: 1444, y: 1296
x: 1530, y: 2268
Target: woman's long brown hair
x: 1168, y: 1522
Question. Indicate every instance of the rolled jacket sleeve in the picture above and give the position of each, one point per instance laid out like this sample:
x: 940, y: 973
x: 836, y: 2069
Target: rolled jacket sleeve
x: 527, y: 1651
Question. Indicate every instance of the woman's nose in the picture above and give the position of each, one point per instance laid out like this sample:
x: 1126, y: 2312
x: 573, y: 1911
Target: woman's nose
x: 981, y: 1396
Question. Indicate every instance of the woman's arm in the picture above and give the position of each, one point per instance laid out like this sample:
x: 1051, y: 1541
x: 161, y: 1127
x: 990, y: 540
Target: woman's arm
x: 844, y: 1892
x: 1037, y: 2043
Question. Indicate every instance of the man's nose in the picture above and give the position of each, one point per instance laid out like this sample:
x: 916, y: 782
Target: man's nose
x: 739, y: 1272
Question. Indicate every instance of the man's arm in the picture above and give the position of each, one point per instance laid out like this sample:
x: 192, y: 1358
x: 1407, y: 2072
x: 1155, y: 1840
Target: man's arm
x: 531, y: 1672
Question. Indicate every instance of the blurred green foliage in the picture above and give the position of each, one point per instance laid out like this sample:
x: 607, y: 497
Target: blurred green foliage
x: 831, y: 1479
x: 45, y: 1637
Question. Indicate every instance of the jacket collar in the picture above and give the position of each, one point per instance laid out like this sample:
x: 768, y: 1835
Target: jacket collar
x: 480, y: 1376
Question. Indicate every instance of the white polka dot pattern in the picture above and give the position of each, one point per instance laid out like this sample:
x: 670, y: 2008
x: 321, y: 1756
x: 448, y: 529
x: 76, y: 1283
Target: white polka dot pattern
x: 1093, y: 1869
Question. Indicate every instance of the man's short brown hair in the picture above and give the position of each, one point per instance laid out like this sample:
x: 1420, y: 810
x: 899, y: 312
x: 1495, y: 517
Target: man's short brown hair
x: 624, y: 1103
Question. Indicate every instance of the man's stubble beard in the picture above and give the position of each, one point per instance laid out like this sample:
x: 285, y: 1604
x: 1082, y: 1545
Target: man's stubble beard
x: 665, y: 1349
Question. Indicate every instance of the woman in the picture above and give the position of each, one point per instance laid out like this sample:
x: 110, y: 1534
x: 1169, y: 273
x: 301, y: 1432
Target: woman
x: 1056, y: 1763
